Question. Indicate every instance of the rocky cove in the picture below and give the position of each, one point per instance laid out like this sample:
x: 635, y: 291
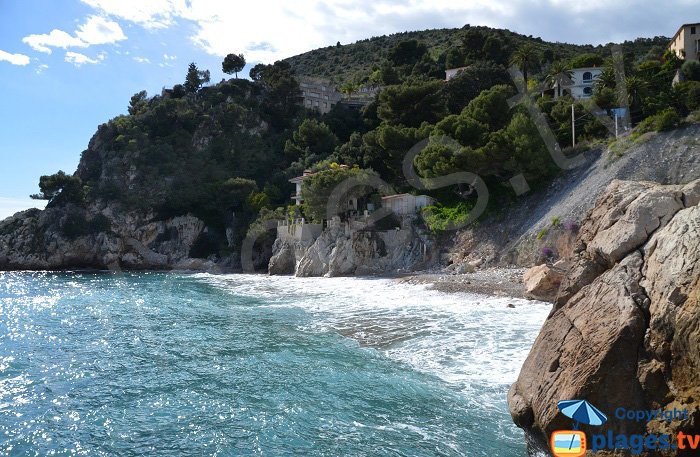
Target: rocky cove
x: 623, y: 330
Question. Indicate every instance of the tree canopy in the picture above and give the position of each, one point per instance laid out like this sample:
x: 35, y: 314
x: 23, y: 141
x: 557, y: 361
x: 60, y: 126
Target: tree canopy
x: 195, y: 78
x: 233, y: 63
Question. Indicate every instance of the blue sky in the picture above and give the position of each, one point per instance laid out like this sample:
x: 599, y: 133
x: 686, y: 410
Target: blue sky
x: 67, y: 66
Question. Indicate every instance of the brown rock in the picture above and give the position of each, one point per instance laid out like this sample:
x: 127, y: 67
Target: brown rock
x: 542, y: 282
x: 626, y: 328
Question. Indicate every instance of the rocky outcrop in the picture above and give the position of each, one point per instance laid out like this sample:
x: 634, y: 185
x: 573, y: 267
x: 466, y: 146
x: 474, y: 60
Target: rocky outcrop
x: 340, y: 251
x: 285, y: 253
x: 625, y: 331
x: 542, y: 282
x: 101, y: 237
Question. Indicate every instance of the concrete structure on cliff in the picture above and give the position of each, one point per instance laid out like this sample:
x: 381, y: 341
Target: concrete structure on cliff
x: 406, y: 204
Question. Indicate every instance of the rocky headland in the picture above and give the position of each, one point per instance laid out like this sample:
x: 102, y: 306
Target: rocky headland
x: 625, y: 327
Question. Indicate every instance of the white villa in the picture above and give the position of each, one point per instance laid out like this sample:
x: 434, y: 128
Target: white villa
x: 406, y: 204
x: 296, y: 196
x: 582, y: 80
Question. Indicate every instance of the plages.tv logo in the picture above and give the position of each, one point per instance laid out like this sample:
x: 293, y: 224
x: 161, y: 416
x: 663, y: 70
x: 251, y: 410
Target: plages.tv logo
x: 572, y: 443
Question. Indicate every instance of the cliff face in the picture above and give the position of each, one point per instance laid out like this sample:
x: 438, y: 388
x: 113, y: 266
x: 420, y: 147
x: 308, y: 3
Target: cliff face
x: 625, y: 329
x: 103, y: 238
x: 164, y: 187
x: 341, y: 252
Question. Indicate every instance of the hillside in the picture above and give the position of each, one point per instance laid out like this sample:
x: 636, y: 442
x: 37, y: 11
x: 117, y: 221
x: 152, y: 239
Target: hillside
x: 356, y: 61
x: 549, y: 218
x: 191, y: 172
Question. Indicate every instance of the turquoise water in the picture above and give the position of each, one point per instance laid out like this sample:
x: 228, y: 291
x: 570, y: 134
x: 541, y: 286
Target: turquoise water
x: 168, y: 364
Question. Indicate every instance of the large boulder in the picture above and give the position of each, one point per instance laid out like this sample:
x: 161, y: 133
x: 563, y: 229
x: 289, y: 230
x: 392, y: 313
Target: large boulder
x: 623, y: 219
x: 625, y: 331
x: 542, y: 281
x: 282, y: 261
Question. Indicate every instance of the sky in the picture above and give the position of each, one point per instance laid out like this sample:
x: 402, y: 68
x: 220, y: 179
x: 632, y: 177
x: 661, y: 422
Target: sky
x: 67, y: 66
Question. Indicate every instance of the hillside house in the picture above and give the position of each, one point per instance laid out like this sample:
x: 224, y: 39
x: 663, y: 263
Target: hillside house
x: 318, y: 95
x: 452, y: 72
x: 406, y: 204
x: 686, y: 42
x: 296, y: 196
x: 582, y: 82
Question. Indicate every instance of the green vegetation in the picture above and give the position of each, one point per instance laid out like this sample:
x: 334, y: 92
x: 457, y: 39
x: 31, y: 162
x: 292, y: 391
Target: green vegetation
x: 691, y: 70
x: 318, y: 188
x: 232, y: 64
x: 195, y: 78
x: 664, y: 120
x: 60, y: 188
x: 447, y: 48
x: 440, y: 218
x: 225, y: 152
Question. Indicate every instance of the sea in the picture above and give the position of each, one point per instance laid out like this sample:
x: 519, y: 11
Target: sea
x: 171, y: 364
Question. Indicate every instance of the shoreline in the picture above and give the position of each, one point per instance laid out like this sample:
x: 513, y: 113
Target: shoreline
x: 495, y: 281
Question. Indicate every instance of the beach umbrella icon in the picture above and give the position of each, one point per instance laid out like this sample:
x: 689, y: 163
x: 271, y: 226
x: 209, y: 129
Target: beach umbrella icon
x: 581, y: 412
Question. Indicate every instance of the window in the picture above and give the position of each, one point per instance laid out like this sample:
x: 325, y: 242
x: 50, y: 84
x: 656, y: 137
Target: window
x: 587, y: 77
x: 692, y: 30
x: 587, y: 91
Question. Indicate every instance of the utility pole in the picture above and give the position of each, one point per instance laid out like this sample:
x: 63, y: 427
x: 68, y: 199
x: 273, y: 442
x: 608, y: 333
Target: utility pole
x: 573, y: 127
x: 616, y: 124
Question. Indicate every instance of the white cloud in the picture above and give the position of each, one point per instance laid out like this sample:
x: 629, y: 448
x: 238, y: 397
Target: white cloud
x: 167, y: 57
x: 142, y: 59
x: 56, y: 38
x: 96, y: 30
x: 14, y: 59
x: 274, y: 29
x: 10, y: 206
x: 40, y: 68
x: 151, y: 14
x: 78, y: 59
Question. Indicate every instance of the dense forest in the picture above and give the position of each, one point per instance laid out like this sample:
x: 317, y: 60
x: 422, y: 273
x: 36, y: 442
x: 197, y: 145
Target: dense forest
x: 224, y: 152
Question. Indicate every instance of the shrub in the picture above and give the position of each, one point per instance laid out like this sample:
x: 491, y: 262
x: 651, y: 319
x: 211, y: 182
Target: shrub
x: 542, y: 233
x: 665, y: 120
x: 556, y: 221
x: 691, y: 70
x: 690, y: 94
x: 440, y: 218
